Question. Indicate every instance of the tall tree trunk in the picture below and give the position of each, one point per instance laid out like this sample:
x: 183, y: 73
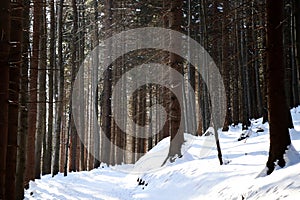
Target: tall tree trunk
x: 176, y: 112
x: 41, y: 124
x: 32, y: 107
x: 82, y: 103
x: 141, y: 120
x: 226, y: 65
x: 190, y: 113
x: 60, y: 111
x: 48, y: 151
x: 203, y: 98
x: 134, y: 139
x: 244, y: 81
x: 297, y: 27
x: 74, y: 63
x: 235, y: 89
x: 119, y: 134
x: 107, y: 87
x: 97, y: 132
x: 295, y: 69
x: 151, y: 128
x: 279, y: 133
x: 23, y: 116
x: 15, y: 60
x: 4, y: 84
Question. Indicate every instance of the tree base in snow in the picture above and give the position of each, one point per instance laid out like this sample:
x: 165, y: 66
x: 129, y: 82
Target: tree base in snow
x: 291, y: 157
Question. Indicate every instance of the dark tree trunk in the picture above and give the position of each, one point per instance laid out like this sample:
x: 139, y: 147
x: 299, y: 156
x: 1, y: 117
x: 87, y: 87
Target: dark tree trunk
x: 72, y: 130
x: 235, y: 96
x: 4, y: 84
x: 15, y: 60
x: 141, y: 120
x: 293, y: 50
x: 226, y: 66
x: 118, y: 132
x: 23, y: 116
x: 151, y: 128
x: 279, y: 133
x: 134, y: 108
x: 297, y: 26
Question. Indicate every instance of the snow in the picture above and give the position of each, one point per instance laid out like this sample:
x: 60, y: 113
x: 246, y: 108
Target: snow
x: 197, y: 175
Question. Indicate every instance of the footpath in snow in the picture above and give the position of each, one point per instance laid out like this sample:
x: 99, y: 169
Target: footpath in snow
x: 197, y: 175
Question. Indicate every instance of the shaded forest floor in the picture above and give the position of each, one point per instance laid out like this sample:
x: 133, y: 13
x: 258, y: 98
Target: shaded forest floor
x: 197, y: 175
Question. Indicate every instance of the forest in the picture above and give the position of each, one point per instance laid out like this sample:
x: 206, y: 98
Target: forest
x: 62, y: 110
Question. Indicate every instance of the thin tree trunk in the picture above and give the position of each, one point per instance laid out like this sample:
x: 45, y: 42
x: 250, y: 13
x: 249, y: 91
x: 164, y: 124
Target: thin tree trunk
x: 82, y: 104
x: 97, y: 132
x: 244, y: 81
x: 297, y: 27
x: 32, y: 107
x: 134, y: 128
x: 226, y: 66
x: 235, y: 101
x: 41, y: 125
x: 203, y: 93
x: 72, y: 130
x: 60, y: 111
x: 141, y: 120
x: 63, y: 137
x: 107, y: 87
x: 150, y: 138
x: 48, y: 151
x: 118, y: 143
x: 66, y: 155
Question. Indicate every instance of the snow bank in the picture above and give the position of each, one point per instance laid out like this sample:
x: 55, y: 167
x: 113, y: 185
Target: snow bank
x: 197, y: 175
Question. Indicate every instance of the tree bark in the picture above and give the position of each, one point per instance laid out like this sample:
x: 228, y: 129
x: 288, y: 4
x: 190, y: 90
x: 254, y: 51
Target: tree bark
x: 176, y: 112
x: 277, y: 105
x: 297, y: 27
x: 41, y: 124
x: 32, y: 107
x: 107, y: 91
x: 82, y: 104
x: 15, y: 60
x: 72, y: 130
x: 48, y: 151
x: 97, y: 132
x: 58, y: 128
x: 4, y: 84
x: 226, y: 65
x: 236, y: 101
x: 23, y: 115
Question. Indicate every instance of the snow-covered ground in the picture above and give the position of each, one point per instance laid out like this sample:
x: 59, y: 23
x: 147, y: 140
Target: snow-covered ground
x: 197, y: 175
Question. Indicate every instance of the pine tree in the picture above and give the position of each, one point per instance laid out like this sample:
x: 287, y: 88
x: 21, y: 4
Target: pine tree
x: 5, y: 15
x: 58, y: 123
x: 176, y: 62
x: 15, y: 61
x: 277, y: 105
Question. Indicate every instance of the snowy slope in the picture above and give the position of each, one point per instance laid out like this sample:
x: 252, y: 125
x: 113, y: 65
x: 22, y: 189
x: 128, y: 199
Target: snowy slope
x: 197, y: 175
